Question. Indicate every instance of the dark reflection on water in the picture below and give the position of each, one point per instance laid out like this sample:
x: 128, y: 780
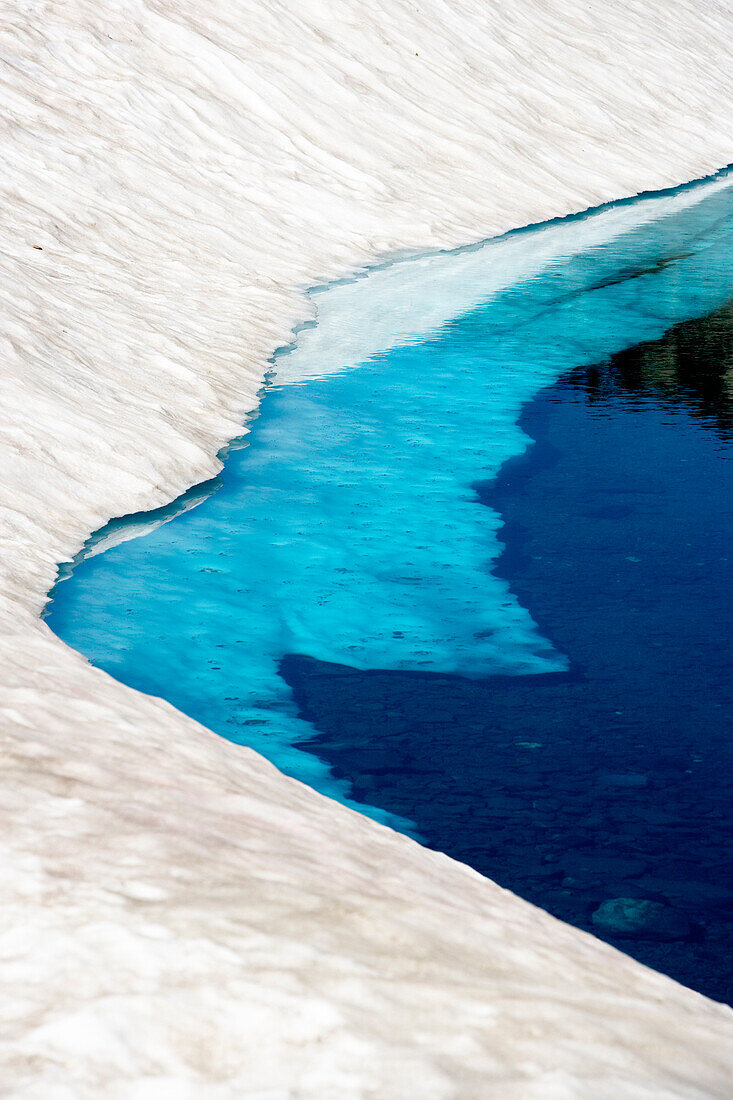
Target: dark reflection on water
x: 611, y: 781
x: 692, y: 365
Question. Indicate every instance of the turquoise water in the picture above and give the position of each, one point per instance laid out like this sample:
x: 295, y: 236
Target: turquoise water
x: 351, y: 528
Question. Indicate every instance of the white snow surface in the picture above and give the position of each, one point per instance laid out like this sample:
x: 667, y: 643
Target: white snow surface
x: 178, y: 919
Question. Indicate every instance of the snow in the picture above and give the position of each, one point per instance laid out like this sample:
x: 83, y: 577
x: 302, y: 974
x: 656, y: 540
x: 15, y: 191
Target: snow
x: 179, y: 919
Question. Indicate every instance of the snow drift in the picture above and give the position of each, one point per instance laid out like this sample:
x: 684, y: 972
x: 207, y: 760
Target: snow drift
x: 179, y: 919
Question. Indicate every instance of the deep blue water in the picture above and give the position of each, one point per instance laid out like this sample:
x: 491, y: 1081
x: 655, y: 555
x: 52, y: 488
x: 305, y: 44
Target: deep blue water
x: 519, y: 651
x: 612, y: 780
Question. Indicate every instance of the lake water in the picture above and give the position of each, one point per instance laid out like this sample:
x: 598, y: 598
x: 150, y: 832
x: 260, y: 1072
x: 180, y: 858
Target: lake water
x: 477, y: 581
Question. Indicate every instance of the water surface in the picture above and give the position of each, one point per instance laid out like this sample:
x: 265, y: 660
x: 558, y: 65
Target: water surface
x: 480, y: 633
x: 612, y: 780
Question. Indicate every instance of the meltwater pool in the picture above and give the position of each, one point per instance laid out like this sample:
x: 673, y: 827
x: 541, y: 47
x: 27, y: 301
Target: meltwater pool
x: 469, y: 569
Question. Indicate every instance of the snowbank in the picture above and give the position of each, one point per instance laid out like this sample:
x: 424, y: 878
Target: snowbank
x: 179, y: 920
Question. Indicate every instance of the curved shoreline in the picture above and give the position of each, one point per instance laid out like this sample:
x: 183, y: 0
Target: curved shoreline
x: 405, y: 326
x: 172, y: 577
x: 178, y: 915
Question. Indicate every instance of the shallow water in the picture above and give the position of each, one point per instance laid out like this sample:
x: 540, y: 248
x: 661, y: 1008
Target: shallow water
x: 362, y: 527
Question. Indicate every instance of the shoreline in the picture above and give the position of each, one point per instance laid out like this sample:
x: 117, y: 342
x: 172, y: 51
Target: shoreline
x: 402, y: 326
x: 169, y: 615
x: 355, y: 323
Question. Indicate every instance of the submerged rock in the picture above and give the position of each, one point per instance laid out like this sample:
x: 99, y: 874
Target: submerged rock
x: 639, y: 917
